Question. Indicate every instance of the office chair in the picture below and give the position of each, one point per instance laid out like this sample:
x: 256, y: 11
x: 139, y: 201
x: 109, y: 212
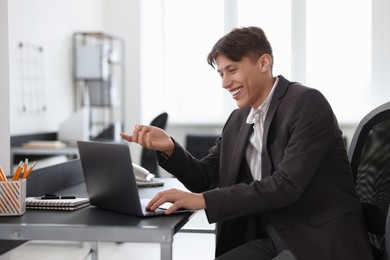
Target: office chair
x: 199, y: 144
x: 387, y: 237
x: 148, y: 157
x: 369, y: 155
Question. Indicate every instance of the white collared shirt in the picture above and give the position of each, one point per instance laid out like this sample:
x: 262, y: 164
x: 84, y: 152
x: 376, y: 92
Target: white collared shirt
x: 253, y: 151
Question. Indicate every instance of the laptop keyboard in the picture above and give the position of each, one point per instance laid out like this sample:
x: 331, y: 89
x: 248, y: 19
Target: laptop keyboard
x: 152, y: 183
x: 146, y: 212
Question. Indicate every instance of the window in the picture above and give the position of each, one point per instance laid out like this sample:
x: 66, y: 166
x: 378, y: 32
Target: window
x: 333, y: 53
x: 338, y: 52
x: 276, y: 23
x: 193, y: 89
x: 175, y: 45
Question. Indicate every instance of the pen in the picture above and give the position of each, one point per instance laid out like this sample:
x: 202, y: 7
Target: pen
x: 54, y: 197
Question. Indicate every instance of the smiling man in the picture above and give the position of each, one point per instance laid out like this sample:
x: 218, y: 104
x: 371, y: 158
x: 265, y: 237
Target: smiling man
x: 278, y: 179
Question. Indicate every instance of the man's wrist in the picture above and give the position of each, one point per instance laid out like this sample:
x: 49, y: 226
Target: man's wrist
x: 161, y: 156
x: 169, y: 153
x: 164, y: 155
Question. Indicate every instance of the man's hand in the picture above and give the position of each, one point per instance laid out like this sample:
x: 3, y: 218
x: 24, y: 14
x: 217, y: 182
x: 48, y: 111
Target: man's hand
x: 151, y: 137
x: 179, y: 199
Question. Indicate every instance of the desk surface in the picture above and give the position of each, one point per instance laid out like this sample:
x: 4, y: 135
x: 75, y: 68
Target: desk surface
x: 93, y: 224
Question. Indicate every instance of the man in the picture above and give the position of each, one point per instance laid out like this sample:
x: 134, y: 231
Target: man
x: 278, y: 178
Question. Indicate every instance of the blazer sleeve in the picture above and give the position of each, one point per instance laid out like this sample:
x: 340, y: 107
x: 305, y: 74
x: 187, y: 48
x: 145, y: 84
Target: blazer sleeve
x: 196, y: 175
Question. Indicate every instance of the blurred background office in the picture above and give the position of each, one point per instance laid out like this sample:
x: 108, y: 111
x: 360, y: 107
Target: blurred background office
x: 338, y: 47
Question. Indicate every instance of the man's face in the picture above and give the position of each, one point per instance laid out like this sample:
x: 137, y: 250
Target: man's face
x: 245, y: 80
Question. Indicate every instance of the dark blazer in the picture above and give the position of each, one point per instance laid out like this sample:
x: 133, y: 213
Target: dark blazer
x: 306, y: 190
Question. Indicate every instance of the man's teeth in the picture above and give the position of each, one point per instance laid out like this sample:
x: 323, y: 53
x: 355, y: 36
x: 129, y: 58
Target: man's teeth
x: 236, y: 91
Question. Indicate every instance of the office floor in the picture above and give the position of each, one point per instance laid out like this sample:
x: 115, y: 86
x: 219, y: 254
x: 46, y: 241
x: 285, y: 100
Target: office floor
x: 189, y: 246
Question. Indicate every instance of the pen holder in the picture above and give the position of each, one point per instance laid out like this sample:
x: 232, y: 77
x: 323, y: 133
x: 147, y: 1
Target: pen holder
x: 12, y: 198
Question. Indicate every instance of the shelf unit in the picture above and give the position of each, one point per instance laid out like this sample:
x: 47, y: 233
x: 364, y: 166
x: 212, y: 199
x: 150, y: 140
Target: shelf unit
x: 99, y: 79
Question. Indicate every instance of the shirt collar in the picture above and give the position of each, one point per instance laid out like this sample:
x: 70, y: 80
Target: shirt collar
x: 251, y: 119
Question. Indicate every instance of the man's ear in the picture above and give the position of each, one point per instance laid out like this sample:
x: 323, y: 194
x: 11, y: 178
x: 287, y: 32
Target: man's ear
x: 265, y: 62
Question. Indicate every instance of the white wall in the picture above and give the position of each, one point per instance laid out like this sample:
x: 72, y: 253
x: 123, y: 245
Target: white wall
x: 49, y: 24
x: 4, y: 89
x: 381, y: 55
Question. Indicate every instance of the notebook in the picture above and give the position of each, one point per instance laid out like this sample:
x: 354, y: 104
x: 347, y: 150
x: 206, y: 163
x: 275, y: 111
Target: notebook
x: 110, y: 180
x: 56, y: 204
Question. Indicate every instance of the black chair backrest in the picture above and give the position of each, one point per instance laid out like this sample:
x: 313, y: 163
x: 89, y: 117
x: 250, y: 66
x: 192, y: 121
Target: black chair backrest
x: 387, y: 236
x: 148, y: 157
x: 199, y: 144
x: 369, y: 155
x: 160, y: 120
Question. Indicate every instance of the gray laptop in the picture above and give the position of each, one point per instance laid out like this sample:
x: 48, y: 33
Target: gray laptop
x: 110, y: 180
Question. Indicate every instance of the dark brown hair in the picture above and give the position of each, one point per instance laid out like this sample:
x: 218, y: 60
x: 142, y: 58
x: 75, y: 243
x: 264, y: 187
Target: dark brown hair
x: 241, y: 42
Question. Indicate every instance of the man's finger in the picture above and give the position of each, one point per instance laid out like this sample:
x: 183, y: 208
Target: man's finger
x: 171, y: 209
x: 140, y: 136
x: 148, y: 139
x: 157, y: 203
x: 154, y: 203
x: 151, y: 203
x: 127, y: 137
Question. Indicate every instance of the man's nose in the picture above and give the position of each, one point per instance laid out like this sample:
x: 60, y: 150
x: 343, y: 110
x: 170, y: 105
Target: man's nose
x: 226, y: 82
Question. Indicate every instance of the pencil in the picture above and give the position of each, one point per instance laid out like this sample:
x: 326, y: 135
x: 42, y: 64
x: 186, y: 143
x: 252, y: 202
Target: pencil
x: 18, y: 171
x: 25, y: 175
x: 3, y: 177
x: 25, y: 166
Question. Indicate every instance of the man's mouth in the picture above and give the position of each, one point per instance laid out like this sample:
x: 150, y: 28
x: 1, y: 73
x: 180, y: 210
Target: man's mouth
x: 234, y: 92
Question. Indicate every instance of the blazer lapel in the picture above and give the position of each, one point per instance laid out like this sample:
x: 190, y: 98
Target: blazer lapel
x: 281, y: 88
x: 238, y: 153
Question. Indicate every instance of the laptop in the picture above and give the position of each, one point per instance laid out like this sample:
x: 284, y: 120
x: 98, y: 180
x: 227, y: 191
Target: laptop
x: 110, y: 180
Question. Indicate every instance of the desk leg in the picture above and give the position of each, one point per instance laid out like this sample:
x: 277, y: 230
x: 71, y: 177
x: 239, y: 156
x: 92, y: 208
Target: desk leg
x: 166, y: 251
x: 94, y: 250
